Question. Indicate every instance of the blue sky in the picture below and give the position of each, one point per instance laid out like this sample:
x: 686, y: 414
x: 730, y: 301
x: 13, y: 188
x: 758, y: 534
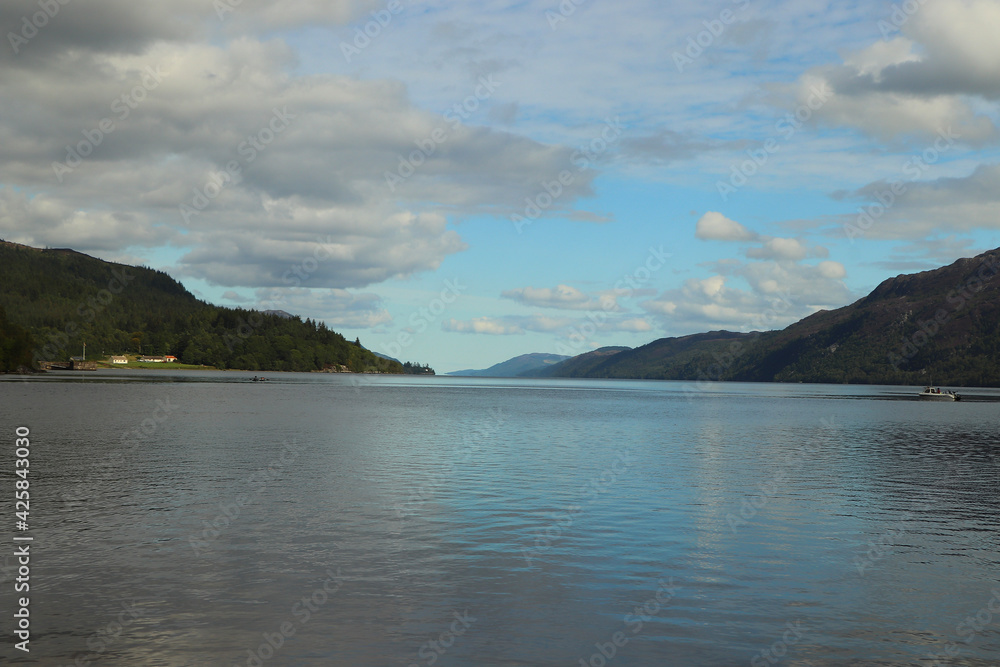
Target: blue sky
x: 274, y: 156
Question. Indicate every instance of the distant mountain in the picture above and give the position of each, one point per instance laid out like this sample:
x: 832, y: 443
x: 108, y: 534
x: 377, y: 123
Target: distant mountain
x: 278, y: 313
x: 53, y: 301
x: 516, y: 366
x: 940, y: 326
x: 582, y: 365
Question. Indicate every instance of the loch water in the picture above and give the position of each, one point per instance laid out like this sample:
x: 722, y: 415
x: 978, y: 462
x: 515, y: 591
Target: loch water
x: 197, y: 518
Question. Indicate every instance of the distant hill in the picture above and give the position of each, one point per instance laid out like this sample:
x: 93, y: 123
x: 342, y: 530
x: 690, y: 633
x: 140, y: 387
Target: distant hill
x: 940, y: 326
x: 582, y: 365
x: 56, y: 300
x: 516, y: 366
x: 408, y: 368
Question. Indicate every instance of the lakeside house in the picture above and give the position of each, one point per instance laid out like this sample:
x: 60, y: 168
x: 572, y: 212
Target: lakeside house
x: 119, y: 360
x: 159, y: 360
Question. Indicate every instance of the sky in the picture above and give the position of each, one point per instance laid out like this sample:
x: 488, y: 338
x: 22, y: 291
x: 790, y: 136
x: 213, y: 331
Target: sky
x: 461, y: 183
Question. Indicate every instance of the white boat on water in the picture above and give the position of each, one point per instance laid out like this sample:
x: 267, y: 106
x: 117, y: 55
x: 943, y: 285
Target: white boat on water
x: 935, y: 394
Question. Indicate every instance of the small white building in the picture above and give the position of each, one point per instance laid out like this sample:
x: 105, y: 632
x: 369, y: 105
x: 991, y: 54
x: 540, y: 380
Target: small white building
x: 119, y: 360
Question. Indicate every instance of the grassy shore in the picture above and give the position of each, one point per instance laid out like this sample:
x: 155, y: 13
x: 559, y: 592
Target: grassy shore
x: 154, y: 365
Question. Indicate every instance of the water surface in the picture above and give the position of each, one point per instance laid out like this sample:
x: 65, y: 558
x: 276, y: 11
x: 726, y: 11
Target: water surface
x: 183, y: 518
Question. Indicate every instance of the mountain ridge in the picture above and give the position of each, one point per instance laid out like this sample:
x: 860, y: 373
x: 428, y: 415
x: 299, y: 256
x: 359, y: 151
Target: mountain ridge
x: 940, y: 325
x: 514, y: 366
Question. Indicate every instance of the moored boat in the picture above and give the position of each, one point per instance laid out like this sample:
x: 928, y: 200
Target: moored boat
x: 936, y: 394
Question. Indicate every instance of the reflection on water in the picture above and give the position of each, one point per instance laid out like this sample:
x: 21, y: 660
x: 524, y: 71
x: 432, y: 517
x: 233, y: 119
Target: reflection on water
x: 200, y: 519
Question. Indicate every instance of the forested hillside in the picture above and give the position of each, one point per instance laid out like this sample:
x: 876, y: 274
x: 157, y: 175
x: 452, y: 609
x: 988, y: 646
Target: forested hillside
x: 64, y: 299
x: 940, y: 326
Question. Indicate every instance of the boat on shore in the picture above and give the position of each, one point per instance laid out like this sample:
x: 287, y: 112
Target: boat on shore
x: 936, y: 394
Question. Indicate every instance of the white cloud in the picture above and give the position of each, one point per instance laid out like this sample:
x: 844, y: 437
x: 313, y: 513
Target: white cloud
x: 928, y: 254
x: 925, y: 208
x: 45, y: 220
x: 710, y: 287
x: 564, y: 326
x: 482, y: 325
x: 714, y: 226
x: 779, y: 293
x: 350, y: 254
x: 336, y: 307
x: 780, y: 249
x: 918, y: 83
x: 831, y: 270
x: 633, y: 325
x: 125, y: 26
x: 959, y: 37
x: 323, y: 175
x: 539, y: 323
x: 235, y: 297
x: 258, y: 15
x: 561, y: 297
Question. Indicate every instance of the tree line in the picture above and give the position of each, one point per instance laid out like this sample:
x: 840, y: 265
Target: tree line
x: 54, y: 301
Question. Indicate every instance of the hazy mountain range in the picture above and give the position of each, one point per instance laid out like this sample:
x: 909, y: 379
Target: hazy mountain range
x: 521, y: 365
